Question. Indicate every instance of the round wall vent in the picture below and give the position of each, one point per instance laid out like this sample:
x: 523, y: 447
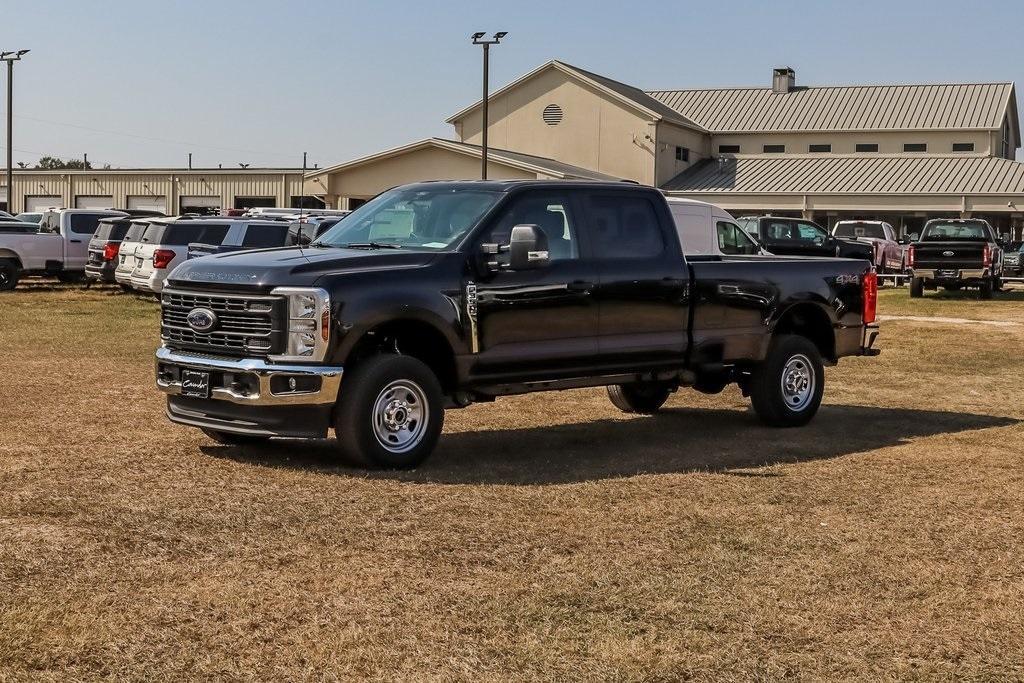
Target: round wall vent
x: 552, y: 114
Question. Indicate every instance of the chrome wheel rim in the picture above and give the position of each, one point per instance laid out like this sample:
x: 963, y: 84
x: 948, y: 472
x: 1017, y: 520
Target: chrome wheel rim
x: 798, y: 382
x: 400, y: 416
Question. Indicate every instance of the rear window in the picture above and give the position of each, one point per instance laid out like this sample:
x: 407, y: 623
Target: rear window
x: 181, y: 234
x: 625, y: 227
x: 135, y: 232
x: 111, y: 230
x: 945, y: 232
x: 258, y: 236
x: 84, y: 223
x: 859, y: 230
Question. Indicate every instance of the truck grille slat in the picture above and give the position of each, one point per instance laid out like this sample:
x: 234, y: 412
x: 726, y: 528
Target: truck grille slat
x: 247, y: 326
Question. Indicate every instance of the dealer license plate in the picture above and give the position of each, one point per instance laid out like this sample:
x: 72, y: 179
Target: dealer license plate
x: 195, y: 384
x: 945, y: 273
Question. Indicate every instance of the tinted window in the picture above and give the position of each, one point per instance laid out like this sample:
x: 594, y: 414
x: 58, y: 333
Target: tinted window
x: 111, y: 230
x: 963, y: 146
x: 549, y: 211
x: 819, y: 148
x: 859, y: 230
x: 732, y: 240
x: 915, y: 147
x: 968, y: 231
x: 774, y: 149
x: 809, y: 231
x: 624, y: 227
x: 135, y: 232
x: 780, y: 230
x: 84, y: 223
x: 728, y: 149
x: 257, y: 236
x: 867, y: 147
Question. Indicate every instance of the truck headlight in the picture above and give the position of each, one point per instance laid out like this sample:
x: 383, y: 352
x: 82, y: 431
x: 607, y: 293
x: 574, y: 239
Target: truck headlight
x: 309, y: 323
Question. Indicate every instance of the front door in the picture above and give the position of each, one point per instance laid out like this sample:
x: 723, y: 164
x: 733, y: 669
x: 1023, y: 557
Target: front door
x: 79, y: 230
x: 540, y: 322
x: 643, y: 296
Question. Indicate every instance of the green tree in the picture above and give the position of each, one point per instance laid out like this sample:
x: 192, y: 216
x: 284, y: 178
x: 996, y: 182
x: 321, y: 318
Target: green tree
x: 53, y: 163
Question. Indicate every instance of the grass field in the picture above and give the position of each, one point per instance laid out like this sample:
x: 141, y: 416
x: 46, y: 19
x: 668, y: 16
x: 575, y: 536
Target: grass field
x: 550, y: 536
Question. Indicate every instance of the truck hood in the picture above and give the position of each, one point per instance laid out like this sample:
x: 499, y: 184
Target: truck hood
x: 291, y: 266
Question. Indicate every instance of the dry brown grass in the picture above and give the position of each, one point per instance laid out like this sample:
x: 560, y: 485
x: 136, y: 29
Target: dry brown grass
x: 550, y: 537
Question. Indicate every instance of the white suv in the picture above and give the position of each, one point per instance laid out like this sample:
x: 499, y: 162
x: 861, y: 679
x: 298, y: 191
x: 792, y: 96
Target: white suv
x: 126, y: 253
x: 164, y: 245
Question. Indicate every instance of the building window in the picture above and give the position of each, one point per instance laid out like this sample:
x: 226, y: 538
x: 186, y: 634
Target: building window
x: 682, y: 154
x: 774, y: 149
x: 819, y: 148
x: 963, y: 146
x: 915, y: 147
x: 867, y: 147
x: 728, y: 149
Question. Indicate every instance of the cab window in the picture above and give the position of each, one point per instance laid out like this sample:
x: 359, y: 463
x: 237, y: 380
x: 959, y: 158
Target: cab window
x: 732, y: 239
x: 625, y: 227
x: 551, y: 213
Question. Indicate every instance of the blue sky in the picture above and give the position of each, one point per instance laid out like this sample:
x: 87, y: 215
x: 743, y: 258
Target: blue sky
x: 144, y: 83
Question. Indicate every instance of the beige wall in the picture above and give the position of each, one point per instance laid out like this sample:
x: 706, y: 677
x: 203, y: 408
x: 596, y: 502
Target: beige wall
x: 171, y: 185
x: 429, y: 163
x: 669, y: 137
x: 862, y: 202
x: 845, y: 143
x: 596, y: 132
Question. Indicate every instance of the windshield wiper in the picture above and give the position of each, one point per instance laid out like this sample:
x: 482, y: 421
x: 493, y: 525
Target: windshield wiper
x: 371, y: 245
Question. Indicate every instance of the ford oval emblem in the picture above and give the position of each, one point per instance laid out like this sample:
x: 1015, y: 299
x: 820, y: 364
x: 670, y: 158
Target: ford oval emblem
x: 201, y: 319
x: 947, y: 253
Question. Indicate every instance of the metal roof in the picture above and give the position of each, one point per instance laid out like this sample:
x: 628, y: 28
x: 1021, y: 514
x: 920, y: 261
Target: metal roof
x: 959, y: 106
x: 854, y: 174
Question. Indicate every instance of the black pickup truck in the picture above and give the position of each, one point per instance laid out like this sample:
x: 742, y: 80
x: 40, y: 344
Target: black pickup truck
x: 799, y: 237
x: 956, y: 253
x: 438, y: 295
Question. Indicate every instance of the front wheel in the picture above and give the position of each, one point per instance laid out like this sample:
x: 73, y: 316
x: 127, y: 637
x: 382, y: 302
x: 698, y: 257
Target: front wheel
x: 390, y: 412
x: 916, y: 287
x: 786, y: 388
x: 8, y: 276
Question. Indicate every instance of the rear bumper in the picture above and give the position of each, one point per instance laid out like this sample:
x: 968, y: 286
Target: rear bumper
x: 103, y: 273
x: 123, y: 277
x: 951, y: 274
x: 856, y: 340
x: 151, y: 283
x: 250, y: 395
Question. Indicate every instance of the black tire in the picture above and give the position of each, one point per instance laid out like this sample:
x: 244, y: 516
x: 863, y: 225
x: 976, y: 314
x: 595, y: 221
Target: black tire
x: 786, y: 388
x: 916, y: 287
x: 390, y: 412
x: 232, y: 439
x: 8, y: 275
x: 645, y: 398
x: 985, y: 290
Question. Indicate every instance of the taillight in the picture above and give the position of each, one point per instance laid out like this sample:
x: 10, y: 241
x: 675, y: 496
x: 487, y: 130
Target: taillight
x: 869, y: 295
x: 986, y: 256
x: 110, y: 251
x: 162, y: 258
x: 910, y: 256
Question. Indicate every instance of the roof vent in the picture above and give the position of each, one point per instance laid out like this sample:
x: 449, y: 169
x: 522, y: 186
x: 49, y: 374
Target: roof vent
x: 552, y: 115
x: 783, y: 79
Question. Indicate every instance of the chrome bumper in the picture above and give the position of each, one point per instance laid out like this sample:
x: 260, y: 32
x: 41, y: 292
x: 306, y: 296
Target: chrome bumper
x: 961, y: 273
x: 245, y: 368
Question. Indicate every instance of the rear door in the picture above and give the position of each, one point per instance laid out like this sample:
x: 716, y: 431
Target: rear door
x: 643, y: 293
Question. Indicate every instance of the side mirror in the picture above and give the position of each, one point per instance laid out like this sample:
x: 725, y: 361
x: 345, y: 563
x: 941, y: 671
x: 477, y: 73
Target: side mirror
x: 527, y: 248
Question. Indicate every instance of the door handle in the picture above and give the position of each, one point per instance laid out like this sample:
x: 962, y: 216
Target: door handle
x: 75, y: 241
x: 579, y: 286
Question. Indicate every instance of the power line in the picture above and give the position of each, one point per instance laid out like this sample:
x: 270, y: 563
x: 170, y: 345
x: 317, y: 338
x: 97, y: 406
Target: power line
x: 153, y: 139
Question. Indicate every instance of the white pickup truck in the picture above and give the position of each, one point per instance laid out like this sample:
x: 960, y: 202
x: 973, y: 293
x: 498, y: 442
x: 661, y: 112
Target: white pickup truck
x: 59, y: 247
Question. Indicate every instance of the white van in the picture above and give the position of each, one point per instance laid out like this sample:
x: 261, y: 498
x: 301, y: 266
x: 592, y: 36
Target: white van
x: 708, y: 230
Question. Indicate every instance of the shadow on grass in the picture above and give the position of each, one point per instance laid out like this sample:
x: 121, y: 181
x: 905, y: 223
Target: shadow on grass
x: 676, y: 440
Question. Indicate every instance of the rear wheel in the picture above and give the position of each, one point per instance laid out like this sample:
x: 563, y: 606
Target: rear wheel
x: 8, y: 275
x: 786, y: 388
x: 232, y: 439
x: 639, y: 397
x: 985, y: 290
x: 390, y: 412
x: 916, y: 287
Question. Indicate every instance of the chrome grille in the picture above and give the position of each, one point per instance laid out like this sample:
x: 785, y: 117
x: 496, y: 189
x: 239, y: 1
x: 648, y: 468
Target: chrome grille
x: 247, y: 326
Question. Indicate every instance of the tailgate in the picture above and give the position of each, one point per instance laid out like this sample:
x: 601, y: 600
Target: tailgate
x: 941, y: 255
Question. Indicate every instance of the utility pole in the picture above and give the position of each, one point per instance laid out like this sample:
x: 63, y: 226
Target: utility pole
x: 478, y: 39
x: 190, y: 161
x: 10, y: 58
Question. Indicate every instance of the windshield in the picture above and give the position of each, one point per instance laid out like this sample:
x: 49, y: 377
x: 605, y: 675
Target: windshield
x: 946, y: 232
x: 859, y: 230
x: 414, y: 217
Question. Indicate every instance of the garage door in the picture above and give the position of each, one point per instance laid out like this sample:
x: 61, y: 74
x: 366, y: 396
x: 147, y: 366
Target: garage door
x: 3, y: 198
x: 200, y: 205
x: 255, y: 202
x: 38, y: 202
x: 87, y: 201
x: 149, y: 203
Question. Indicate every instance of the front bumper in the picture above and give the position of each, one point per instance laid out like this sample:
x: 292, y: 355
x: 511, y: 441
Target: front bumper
x: 951, y: 274
x: 250, y: 395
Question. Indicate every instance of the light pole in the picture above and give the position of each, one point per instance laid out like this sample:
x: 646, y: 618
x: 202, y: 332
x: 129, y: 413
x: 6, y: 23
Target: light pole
x: 10, y: 58
x: 478, y: 39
